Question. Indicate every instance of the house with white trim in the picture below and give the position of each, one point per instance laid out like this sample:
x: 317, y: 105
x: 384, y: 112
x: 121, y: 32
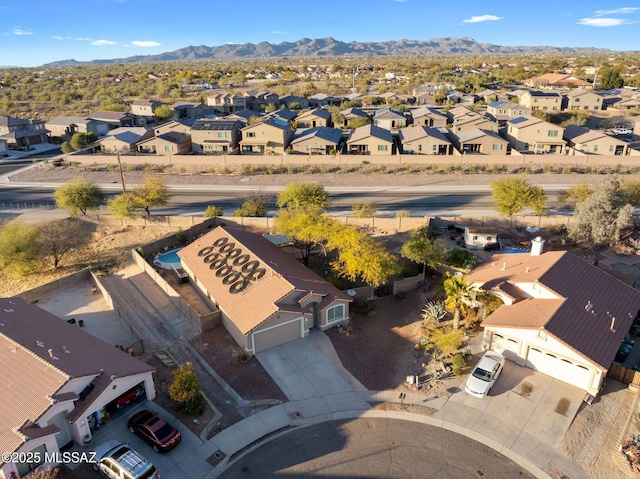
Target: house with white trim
x: 265, y: 296
x: 58, y: 383
x: 561, y: 315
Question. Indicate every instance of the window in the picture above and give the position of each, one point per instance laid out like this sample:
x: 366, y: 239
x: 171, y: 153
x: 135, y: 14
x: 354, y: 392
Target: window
x: 553, y: 133
x: 497, y: 147
x: 335, y: 314
x: 168, y: 148
x: 576, y: 100
x: 595, y: 147
x: 382, y: 147
x: 610, y: 147
x: 251, y: 134
x: 222, y: 134
x: 488, y: 238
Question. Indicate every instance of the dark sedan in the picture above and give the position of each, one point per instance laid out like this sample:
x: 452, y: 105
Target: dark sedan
x: 156, y: 431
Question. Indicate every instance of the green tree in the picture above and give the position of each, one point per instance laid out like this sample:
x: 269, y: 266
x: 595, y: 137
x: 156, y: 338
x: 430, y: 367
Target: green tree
x: 512, y: 195
x: 212, y: 211
x: 578, y: 192
x: 164, y: 112
x: 445, y: 340
x: 631, y: 190
x: 81, y: 140
x: 66, y: 148
x: 122, y: 206
x: 363, y: 210
x: 601, y: 215
x: 358, y: 122
x: 423, y: 250
x: 57, y: 238
x: 78, y: 196
x: 18, y: 248
x: 303, y: 196
x: 252, y: 207
x: 307, y: 227
x: 152, y: 193
x: 610, y: 78
x: 185, y: 389
x: 459, y: 295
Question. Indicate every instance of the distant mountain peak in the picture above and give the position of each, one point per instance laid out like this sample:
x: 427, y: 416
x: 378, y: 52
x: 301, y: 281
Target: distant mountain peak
x: 329, y: 46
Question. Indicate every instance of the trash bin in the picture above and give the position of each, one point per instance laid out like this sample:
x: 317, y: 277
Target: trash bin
x: 81, y: 323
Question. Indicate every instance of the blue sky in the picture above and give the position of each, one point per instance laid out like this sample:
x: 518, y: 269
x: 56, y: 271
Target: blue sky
x: 36, y: 32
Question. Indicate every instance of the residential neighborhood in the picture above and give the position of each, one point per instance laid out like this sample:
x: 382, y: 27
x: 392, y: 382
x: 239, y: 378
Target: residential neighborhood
x: 288, y: 314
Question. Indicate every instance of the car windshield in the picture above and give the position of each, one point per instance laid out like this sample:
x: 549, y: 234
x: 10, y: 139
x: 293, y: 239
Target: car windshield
x: 482, y: 374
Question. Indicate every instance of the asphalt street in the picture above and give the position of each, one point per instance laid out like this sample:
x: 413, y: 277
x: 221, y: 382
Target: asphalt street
x: 373, y: 448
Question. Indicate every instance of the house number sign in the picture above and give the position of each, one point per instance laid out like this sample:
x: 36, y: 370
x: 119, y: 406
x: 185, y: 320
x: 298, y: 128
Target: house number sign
x: 234, y: 267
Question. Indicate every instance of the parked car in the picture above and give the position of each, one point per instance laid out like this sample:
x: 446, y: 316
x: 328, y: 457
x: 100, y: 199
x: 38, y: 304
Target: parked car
x: 116, y: 460
x: 484, y: 375
x: 160, y: 435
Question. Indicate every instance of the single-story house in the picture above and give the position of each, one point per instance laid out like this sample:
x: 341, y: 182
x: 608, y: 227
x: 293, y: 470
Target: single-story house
x: 313, y: 118
x: 371, y: 140
x: 265, y: 296
x: 431, y: 117
x: 389, y: 119
x: 476, y: 141
x: 123, y: 139
x: 476, y: 237
x: 422, y: 140
x: 596, y: 142
x: 167, y: 144
x: 59, y: 382
x: 319, y: 141
x: 561, y: 315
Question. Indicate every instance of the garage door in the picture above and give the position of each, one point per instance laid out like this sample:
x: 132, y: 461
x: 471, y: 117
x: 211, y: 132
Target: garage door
x: 559, y: 368
x: 508, y: 347
x: 277, y: 335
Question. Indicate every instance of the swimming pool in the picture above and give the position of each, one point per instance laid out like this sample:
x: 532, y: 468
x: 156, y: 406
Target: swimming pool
x: 168, y: 260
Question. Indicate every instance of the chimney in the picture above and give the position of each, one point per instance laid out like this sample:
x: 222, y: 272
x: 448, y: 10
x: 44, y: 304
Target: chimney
x: 536, y: 246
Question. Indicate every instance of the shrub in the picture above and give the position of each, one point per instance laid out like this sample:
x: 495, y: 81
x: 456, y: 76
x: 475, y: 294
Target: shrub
x: 459, y: 361
x: 212, y: 211
x: 181, y: 236
x: 195, y: 406
x: 461, y: 258
x: 434, y: 311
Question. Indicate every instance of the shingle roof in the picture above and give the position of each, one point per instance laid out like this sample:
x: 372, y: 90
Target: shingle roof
x: 388, y: 113
x: 277, y: 275
x: 576, y: 284
x: 317, y: 112
x: 69, y: 120
x: 129, y: 135
x: 417, y: 132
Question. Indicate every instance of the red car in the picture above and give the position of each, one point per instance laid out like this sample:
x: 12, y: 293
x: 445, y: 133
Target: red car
x: 156, y: 431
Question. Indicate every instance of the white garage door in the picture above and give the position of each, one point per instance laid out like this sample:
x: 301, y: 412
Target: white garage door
x: 559, y: 368
x: 508, y: 347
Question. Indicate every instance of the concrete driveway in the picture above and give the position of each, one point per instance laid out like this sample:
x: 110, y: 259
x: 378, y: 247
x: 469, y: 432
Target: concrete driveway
x: 526, y: 411
x: 187, y: 461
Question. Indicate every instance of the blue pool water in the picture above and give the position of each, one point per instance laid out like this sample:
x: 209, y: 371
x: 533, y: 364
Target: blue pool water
x: 515, y: 250
x: 169, y: 257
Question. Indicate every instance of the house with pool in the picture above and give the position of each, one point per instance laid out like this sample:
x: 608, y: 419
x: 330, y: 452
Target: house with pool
x: 265, y: 296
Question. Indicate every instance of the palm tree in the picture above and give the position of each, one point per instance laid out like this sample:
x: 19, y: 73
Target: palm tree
x: 459, y: 296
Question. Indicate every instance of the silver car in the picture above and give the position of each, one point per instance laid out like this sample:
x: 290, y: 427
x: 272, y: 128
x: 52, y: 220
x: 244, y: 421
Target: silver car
x: 484, y: 374
x: 118, y: 461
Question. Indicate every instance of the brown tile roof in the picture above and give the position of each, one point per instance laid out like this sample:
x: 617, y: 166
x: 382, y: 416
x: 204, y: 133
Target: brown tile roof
x: 39, y: 354
x: 278, y: 275
x: 576, y: 284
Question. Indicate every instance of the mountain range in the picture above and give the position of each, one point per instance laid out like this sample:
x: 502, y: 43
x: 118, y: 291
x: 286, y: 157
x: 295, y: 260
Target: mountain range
x: 330, y: 47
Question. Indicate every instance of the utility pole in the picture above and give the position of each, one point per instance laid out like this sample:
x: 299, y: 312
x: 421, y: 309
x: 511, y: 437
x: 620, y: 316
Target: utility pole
x: 124, y: 190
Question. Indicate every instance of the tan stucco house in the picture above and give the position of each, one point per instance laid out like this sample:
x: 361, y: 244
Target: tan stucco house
x: 215, y: 137
x: 480, y: 142
x: 371, y: 140
x: 314, y: 118
x: 166, y: 144
x: 596, y: 142
x: 389, y: 119
x: 19, y: 133
x: 529, y: 133
x: 431, y: 117
x: 502, y: 111
x: 539, y: 100
x: 269, y: 136
x: 265, y: 296
x: 123, y: 140
x: 319, y: 141
x: 582, y: 100
x: 67, y: 126
x: 422, y: 140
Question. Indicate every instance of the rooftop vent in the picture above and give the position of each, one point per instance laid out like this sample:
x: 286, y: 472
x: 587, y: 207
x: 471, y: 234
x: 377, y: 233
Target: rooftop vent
x: 536, y: 246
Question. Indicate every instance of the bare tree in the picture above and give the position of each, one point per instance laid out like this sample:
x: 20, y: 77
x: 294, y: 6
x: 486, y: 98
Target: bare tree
x: 57, y: 238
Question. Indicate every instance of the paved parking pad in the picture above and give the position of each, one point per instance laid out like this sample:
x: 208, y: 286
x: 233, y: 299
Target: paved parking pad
x: 187, y: 461
x: 525, y: 410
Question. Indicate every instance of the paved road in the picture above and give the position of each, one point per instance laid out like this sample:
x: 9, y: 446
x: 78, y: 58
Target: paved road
x: 374, y: 448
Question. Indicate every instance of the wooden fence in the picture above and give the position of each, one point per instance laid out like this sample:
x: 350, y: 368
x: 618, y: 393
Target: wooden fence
x: 625, y: 375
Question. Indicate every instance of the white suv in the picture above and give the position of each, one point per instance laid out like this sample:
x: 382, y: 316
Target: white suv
x: 116, y: 460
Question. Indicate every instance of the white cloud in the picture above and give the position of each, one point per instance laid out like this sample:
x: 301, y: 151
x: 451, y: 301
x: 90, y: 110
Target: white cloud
x: 145, y: 43
x: 278, y: 32
x: 400, y: 1
x: 482, y: 18
x: 103, y: 43
x: 604, y: 22
x: 20, y: 31
x: 622, y: 10
x: 58, y: 37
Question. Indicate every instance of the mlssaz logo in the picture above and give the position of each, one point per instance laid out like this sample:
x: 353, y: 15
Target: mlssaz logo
x: 232, y: 265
